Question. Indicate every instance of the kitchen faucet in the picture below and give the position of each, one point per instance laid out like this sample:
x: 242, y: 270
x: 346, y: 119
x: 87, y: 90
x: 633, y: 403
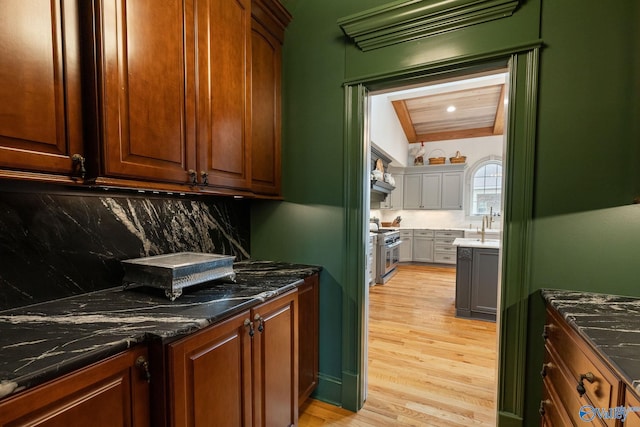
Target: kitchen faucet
x: 485, y: 220
x: 490, y: 218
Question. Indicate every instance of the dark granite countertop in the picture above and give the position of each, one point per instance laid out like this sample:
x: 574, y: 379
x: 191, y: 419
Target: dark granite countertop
x: 611, y: 323
x: 44, y: 341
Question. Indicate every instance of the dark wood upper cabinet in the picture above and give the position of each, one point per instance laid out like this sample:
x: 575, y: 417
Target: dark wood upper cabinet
x: 223, y: 72
x: 164, y: 95
x: 40, y: 88
x: 267, y: 35
x: 143, y: 61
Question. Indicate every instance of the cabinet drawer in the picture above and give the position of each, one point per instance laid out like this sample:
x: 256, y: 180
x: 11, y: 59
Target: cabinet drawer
x: 632, y: 401
x: 553, y: 414
x: 445, y: 242
x: 556, y: 374
x: 423, y: 233
x: 445, y: 248
x: 449, y: 234
x: 445, y: 258
x: 577, y: 359
x: 406, y: 233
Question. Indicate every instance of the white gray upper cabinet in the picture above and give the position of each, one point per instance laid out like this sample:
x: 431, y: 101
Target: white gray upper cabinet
x: 437, y: 189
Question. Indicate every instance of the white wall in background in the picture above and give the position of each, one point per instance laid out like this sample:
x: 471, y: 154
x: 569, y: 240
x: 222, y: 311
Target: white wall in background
x: 475, y: 149
x: 386, y: 131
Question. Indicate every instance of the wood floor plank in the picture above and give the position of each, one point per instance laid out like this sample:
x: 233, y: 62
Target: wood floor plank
x: 426, y: 367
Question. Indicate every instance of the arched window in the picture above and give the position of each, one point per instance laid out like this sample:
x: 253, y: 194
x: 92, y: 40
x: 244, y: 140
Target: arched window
x: 486, y: 188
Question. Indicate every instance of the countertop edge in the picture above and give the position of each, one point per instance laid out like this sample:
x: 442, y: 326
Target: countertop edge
x: 550, y: 297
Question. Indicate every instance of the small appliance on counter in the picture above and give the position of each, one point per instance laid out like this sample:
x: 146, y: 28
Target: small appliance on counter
x: 177, y: 271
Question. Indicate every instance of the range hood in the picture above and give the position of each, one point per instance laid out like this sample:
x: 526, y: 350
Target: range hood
x: 379, y: 188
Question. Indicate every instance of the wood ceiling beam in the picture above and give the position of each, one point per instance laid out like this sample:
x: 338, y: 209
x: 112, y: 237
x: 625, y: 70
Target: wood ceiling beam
x: 456, y: 134
x: 405, y: 120
x: 498, y: 124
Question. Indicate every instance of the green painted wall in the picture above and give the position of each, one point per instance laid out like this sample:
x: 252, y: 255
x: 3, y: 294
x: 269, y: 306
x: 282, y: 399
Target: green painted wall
x: 309, y: 226
x: 588, y: 151
x: 585, y: 233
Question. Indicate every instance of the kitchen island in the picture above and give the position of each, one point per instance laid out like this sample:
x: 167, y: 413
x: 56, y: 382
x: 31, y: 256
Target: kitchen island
x: 477, y: 278
x: 45, y: 341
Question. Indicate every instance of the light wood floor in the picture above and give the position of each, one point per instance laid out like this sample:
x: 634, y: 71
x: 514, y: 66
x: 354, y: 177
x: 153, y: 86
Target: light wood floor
x: 426, y: 367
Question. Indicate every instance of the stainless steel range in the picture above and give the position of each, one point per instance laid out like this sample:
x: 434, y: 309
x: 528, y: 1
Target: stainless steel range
x: 388, y: 251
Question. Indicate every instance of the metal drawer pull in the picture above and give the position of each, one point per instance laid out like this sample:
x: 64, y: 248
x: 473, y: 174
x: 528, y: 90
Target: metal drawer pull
x: 541, y: 410
x: 543, y: 372
x: 260, y: 321
x: 143, y: 365
x: 545, y: 331
x: 249, y: 324
x: 194, y: 176
x: 79, y: 160
x: 580, y: 387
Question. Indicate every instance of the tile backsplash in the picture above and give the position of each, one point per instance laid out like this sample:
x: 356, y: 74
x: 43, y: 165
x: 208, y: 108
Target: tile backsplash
x: 54, y: 245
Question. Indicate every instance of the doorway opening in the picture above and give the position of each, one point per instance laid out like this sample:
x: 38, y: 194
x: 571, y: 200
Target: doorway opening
x: 391, y: 115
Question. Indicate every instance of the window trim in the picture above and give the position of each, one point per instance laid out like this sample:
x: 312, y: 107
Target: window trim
x: 469, y: 182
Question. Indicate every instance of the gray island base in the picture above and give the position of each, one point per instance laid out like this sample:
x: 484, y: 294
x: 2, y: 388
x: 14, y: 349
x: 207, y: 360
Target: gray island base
x: 477, y: 278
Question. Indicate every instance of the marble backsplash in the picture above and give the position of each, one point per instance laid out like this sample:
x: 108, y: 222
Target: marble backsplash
x: 54, y: 245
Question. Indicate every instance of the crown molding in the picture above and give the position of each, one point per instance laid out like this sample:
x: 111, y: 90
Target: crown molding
x: 403, y: 21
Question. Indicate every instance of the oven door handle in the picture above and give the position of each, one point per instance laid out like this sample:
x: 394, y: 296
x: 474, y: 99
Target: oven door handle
x: 394, y: 244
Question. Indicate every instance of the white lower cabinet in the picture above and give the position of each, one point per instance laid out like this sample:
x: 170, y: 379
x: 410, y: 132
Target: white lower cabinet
x: 406, y: 247
x: 425, y: 245
x: 445, y: 252
x: 423, y: 249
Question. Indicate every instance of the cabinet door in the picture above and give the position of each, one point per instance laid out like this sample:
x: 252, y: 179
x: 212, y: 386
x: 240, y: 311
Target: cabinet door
x: 275, y: 361
x: 484, y: 288
x: 406, y: 249
x: 266, y: 60
x: 40, y: 111
x: 633, y: 417
x: 111, y: 393
x: 422, y: 249
x: 397, y: 195
x: 464, y: 269
x: 146, y: 98
x: 452, y: 190
x: 431, y: 191
x: 224, y: 91
x: 412, y: 191
x: 308, y: 301
x: 210, y: 376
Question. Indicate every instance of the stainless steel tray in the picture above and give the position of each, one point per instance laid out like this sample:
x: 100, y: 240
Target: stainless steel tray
x: 174, y: 272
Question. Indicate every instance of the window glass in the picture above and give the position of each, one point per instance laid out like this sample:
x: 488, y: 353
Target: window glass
x: 486, y: 191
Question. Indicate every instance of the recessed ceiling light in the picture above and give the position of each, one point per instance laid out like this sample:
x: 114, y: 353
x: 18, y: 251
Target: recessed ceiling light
x: 451, y: 109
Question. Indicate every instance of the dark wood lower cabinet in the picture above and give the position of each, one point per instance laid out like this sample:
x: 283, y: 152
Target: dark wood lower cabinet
x: 308, y: 364
x: 209, y: 378
x: 111, y: 393
x: 240, y: 372
x: 249, y: 370
x: 275, y: 361
x: 578, y: 382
